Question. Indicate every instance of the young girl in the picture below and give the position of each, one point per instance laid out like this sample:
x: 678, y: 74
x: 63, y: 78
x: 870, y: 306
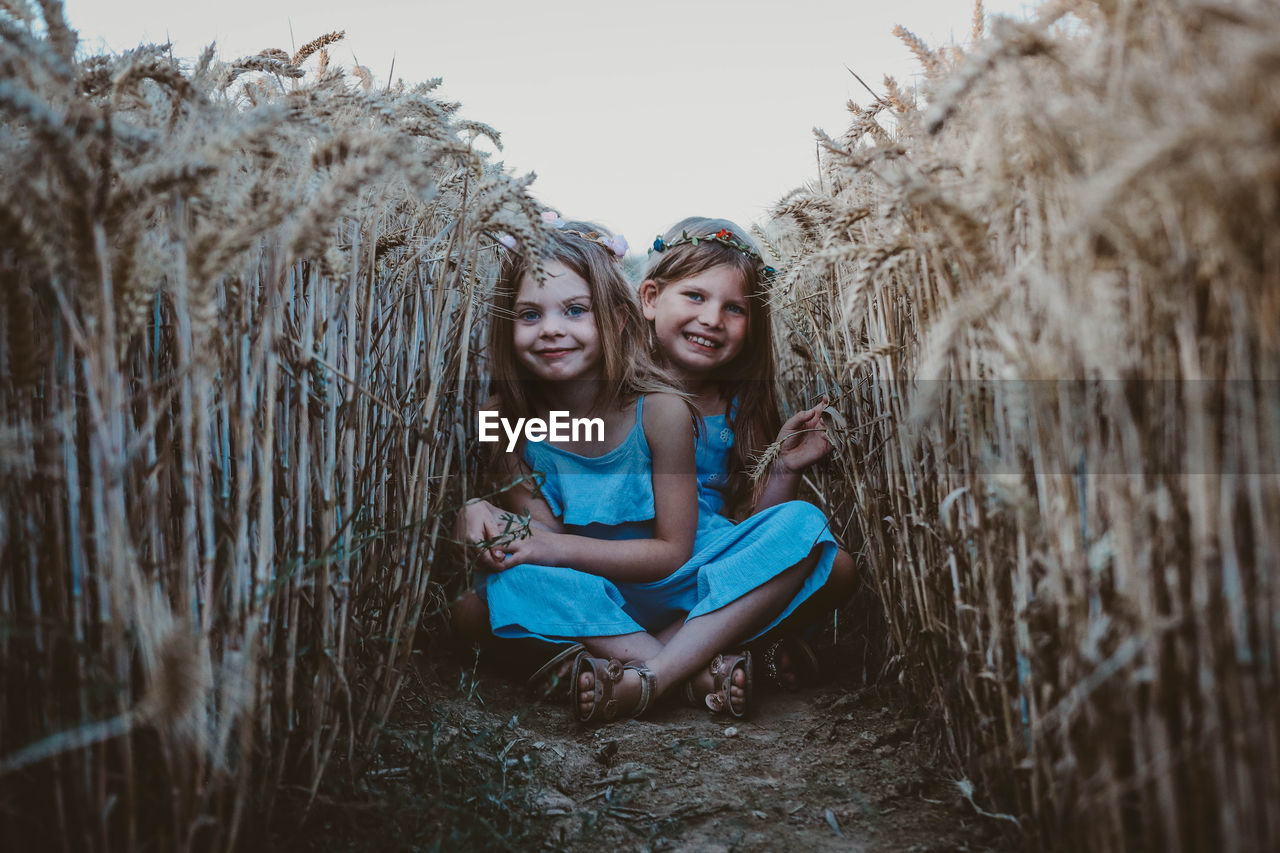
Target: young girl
x: 570, y: 344
x: 704, y: 293
x: 611, y: 519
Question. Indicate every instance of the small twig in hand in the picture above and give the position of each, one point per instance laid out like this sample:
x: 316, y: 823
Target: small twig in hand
x: 514, y: 527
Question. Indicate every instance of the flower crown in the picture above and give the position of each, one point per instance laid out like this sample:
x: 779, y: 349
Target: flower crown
x: 724, y: 237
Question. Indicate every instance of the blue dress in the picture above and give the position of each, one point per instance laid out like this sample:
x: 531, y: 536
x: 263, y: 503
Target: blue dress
x: 734, y: 558
x: 611, y: 497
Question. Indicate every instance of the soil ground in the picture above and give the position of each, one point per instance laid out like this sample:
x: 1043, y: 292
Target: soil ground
x: 835, y: 767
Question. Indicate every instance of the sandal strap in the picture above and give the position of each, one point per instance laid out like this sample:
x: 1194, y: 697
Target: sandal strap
x: 604, y: 675
x: 605, y: 700
x: 646, y: 687
x: 771, y: 664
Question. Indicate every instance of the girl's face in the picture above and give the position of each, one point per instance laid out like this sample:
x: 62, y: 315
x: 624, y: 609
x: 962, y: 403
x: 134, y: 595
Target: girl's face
x: 700, y: 322
x: 555, y: 332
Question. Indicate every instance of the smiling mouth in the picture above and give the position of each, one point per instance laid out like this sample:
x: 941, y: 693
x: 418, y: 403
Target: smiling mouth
x: 703, y: 342
x: 552, y: 353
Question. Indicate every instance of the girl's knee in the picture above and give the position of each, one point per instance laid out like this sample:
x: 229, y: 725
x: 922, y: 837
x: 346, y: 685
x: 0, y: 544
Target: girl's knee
x: 803, y: 512
x: 844, y: 576
x: 469, y: 616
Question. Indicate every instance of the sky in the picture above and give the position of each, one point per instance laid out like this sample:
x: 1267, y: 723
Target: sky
x: 633, y: 115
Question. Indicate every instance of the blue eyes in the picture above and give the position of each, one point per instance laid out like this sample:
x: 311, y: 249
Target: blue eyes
x: 732, y: 308
x: 531, y: 316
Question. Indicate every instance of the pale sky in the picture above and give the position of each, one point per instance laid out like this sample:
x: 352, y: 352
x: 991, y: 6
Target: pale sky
x: 634, y: 115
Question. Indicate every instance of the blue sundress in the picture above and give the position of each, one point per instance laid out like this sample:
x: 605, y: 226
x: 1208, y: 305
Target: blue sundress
x: 611, y: 497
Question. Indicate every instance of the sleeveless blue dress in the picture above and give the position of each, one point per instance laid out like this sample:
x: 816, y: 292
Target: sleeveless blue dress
x: 611, y: 497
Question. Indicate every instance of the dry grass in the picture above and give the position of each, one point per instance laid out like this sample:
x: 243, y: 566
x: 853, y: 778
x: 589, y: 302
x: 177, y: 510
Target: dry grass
x: 1046, y: 298
x: 240, y: 303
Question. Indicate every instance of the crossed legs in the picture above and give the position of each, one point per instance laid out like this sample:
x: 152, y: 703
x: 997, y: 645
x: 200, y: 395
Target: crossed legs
x: 683, y: 651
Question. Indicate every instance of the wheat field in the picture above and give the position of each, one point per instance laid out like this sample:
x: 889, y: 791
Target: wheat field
x: 240, y: 304
x: 1046, y: 297
x: 243, y: 309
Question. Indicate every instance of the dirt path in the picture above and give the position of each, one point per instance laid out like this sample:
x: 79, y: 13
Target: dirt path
x: 825, y: 769
x: 470, y: 763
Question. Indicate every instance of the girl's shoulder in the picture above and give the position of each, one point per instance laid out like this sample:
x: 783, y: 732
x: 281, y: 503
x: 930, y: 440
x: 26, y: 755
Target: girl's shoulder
x: 663, y: 404
x: 666, y: 415
x: 491, y: 404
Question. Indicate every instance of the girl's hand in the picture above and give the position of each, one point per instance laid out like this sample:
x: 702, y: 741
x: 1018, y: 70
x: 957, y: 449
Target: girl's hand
x: 538, y: 546
x: 488, y: 527
x: 805, y: 440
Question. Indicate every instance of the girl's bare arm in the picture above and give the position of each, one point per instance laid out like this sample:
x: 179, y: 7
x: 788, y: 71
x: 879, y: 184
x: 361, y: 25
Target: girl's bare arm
x: 670, y: 433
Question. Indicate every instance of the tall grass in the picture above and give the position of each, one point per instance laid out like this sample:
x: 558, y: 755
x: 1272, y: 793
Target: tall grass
x: 1047, y: 298
x: 239, y: 304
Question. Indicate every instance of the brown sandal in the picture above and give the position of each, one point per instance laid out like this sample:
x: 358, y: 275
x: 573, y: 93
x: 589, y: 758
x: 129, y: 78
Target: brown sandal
x: 607, y: 674
x: 721, y: 668
x: 804, y: 663
x: 548, y: 681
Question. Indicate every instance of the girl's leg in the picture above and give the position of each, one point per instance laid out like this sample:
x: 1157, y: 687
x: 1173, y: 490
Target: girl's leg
x: 836, y: 591
x: 628, y: 647
x: 698, y: 640
x: 665, y: 635
x: 469, y: 616
x: 624, y: 647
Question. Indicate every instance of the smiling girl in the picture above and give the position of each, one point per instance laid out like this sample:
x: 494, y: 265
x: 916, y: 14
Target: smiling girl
x: 569, y: 343
x: 705, y: 294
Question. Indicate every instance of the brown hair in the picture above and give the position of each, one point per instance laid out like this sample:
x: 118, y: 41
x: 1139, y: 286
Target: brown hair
x: 626, y: 370
x: 751, y: 377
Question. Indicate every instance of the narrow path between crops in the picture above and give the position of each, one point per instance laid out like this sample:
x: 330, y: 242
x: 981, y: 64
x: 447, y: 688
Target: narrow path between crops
x: 821, y: 770
x: 831, y: 768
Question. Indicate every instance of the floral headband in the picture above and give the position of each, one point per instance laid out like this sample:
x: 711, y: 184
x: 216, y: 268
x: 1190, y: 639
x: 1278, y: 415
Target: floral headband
x: 724, y: 237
